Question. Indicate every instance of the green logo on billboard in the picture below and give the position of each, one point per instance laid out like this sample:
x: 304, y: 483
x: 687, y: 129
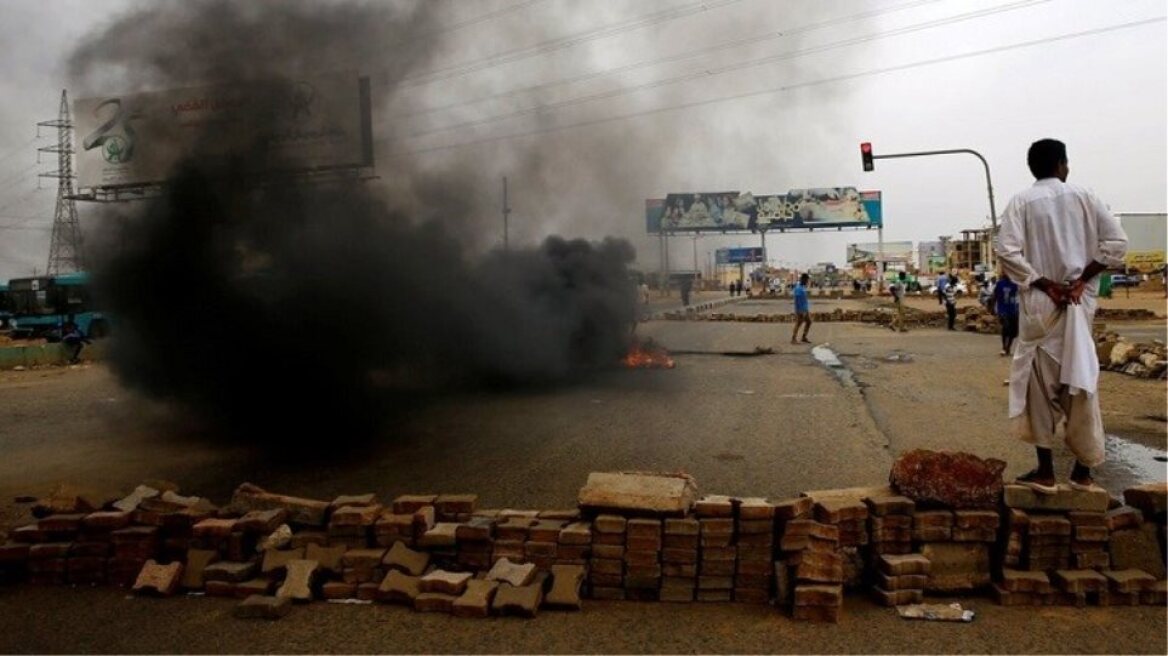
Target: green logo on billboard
x: 115, y: 150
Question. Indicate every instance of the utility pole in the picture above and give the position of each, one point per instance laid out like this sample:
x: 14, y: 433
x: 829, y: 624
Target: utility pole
x: 65, y: 245
x: 506, y: 214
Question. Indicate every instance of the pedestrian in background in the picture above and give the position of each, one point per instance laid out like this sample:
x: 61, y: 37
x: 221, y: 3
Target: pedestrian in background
x: 949, y: 299
x: 802, y: 309
x: 898, y: 290
x: 1005, y: 305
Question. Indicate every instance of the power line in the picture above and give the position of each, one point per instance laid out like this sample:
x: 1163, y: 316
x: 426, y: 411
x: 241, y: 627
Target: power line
x: 710, y: 72
x: 612, y: 29
x: 769, y: 36
x: 790, y: 87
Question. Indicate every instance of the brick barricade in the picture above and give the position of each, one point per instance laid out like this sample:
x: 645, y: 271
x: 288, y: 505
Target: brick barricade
x: 441, y: 553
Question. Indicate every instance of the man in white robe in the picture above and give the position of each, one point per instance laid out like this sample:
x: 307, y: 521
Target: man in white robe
x: 1054, y: 241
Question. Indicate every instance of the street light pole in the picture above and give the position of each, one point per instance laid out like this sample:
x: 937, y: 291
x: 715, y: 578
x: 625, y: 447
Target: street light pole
x: 989, y: 182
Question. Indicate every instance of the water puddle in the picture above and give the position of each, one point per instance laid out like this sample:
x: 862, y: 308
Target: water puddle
x: 830, y: 359
x: 1129, y: 463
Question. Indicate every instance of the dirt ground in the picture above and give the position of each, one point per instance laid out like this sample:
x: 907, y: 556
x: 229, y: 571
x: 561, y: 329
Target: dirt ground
x: 771, y: 425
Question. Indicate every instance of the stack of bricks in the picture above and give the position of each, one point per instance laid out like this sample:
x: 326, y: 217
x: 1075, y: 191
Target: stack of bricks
x: 1048, y: 542
x: 643, y: 545
x: 351, y: 520
x: 511, y: 532
x: 1089, y: 539
x: 543, y: 542
x: 900, y: 579
x: 959, y: 551
x: 606, y: 574
x: 788, y: 545
x: 717, y: 553
x: 679, y: 559
x: 754, y: 573
x: 575, y: 543
x: 811, y: 548
x: 476, y: 541
x: 890, y: 525
x: 850, y: 516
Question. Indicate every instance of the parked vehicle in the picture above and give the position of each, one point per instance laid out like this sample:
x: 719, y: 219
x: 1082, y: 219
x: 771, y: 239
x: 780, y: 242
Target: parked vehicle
x: 42, y: 305
x: 960, y: 288
x: 1125, y: 280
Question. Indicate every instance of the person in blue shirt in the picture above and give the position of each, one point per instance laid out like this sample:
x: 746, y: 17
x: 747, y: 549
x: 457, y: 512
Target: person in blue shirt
x: 1006, y: 307
x: 802, y: 309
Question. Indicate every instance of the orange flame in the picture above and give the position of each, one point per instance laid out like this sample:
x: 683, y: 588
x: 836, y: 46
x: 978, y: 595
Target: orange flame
x: 647, y: 355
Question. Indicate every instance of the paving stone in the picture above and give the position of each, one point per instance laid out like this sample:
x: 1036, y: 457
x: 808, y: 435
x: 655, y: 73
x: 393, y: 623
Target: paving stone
x: 976, y: 519
x: 263, y: 607
x: 598, y: 579
x: 229, y: 571
x: 399, y: 587
x: 276, y: 560
x: 753, y: 508
x: 715, y: 582
x: 158, y: 579
x: 681, y: 527
x: 716, y: 568
x: 13, y: 553
x: 974, y: 535
x: 896, y: 565
x: 1130, y: 580
x: 797, y: 508
x: 811, y: 528
x: 258, y: 586
x: 1123, y: 517
x: 716, y: 526
x: 957, y: 565
x: 298, y: 580
x: 28, y: 534
x: 49, y: 550
x: 818, y: 567
x: 545, y: 530
x: 513, y: 528
x: 450, y: 583
x: 1151, y: 498
x: 890, y: 505
x: 1014, y: 580
x: 338, y: 590
x: 424, y: 519
x: 719, y: 553
x: 305, y: 538
x: 261, y: 521
x: 130, y: 502
x: 679, y: 556
x: 408, y: 504
x: 833, y: 511
x: 507, y: 513
x: 523, y: 600
x: 643, y: 528
x: 1080, y: 518
x: 369, y: 591
x: 643, y: 543
x: 367, y: 499
x: 609, y: 524
x: 475, y: 601
x: 897, y: 597
x: 751, y: 595
x: 754, y: 567
x: 456, y: 504
x: 329, y: 558
x: 1092, y: 560
x: 1004, y: 597
x: 214, y: 528
x: 932, y: 519
x: 567, y: 514
x: 681, y: 592
x: 717, y: 595
x: 355, y: 515
x: 510, y: 549
x: 515, y: 574
x: 608, y: 538
x: 476, y: 529
x: 443, y: 534
x: 197, y: 561
x: 576, y: 533
x: 902, y: 582
x: 608, y: 551
x: 714, y: 505
x: 364, y: 558
x: 680, y: 542
x: 756, y: 528
x: 565, y: 591
x: 1092, y: 534
x: 106, y: 520
x: 1137, y: 549
x: 308, y: 512
x: 1079, y: 580
x: 1024, y: 498
x: 1157, y: 596
x: 689, y: 570
x: 434, y: 602
x: 1049, y: 525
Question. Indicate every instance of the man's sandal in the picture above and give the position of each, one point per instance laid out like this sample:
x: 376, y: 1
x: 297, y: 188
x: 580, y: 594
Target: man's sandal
x: 1085, y: 485
x: 1040, y: 484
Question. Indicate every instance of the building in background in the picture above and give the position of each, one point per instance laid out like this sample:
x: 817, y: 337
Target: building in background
x: 972, y: 251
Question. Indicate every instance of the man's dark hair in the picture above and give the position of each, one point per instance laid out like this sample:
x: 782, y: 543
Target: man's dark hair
x: 804, y: 278
x: 1044, y: 157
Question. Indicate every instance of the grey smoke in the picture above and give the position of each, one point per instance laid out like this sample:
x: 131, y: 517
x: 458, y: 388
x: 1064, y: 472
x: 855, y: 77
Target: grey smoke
x: 293, y: 307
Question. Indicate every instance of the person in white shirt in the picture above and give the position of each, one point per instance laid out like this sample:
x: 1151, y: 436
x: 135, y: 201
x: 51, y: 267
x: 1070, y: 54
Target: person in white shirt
x: 1055, y: 240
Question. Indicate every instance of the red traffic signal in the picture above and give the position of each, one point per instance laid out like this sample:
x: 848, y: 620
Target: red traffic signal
x: 866, y: 156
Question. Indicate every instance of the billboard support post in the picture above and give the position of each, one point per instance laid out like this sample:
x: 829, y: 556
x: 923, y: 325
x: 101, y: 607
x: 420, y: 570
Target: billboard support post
x: 989, y: 184
x: 880, y: 258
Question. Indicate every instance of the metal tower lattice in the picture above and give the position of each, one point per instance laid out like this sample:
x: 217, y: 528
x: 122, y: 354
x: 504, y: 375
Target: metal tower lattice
x: 65, y: 246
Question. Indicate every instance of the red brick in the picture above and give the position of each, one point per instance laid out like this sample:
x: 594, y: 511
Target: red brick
x: 158, y: 579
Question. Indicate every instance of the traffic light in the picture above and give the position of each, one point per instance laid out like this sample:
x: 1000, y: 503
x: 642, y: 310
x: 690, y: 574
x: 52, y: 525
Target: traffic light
x: 866, y: 156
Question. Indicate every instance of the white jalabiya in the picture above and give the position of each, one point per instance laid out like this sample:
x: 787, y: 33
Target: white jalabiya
x: 1054, y: 230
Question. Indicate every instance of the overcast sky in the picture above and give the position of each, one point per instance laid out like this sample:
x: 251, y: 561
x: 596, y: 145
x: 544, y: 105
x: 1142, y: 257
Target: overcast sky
x: 904, y: 75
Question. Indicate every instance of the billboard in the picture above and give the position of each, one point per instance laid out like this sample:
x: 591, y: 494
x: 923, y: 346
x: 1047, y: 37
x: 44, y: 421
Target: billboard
x: 312, y: 123
x: 733, y: 211
x: 1144, y: 261
x: 738, y: 255
x: 894, y: 251
x: 810, y: 209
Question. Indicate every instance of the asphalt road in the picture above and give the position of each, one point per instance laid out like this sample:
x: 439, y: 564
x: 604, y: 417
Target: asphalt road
x: 770, y: 425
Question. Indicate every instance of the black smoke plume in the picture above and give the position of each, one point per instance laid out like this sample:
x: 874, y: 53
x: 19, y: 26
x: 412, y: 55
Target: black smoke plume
x: 276, y: 307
